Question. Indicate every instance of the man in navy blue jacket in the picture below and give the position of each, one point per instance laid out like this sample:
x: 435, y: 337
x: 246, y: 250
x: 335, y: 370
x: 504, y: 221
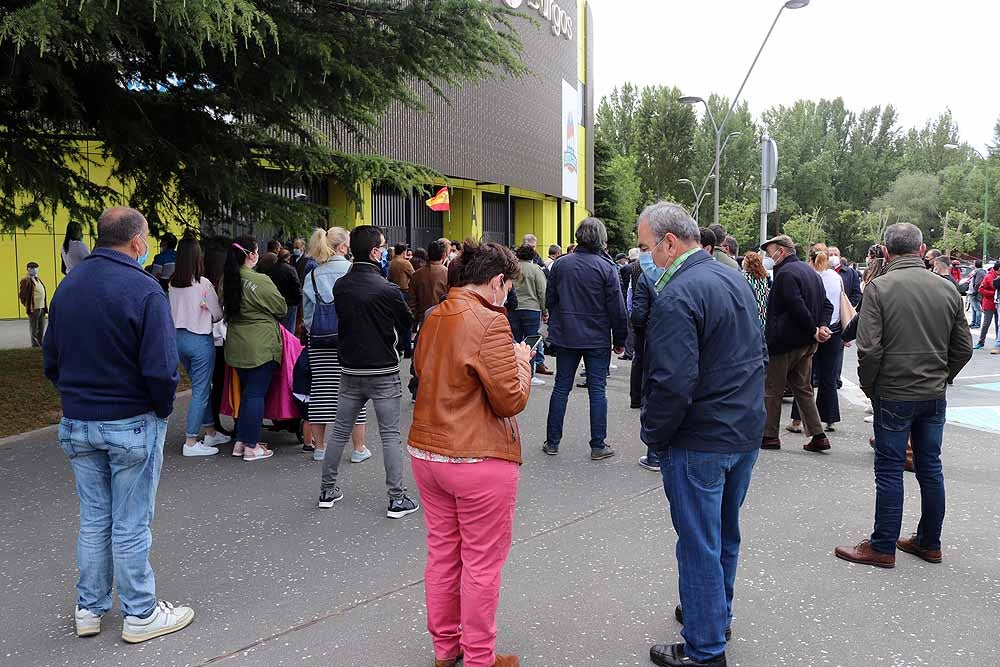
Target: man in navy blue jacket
x: 111, y: 352
x: 702, y: 411
x: 798, y: 318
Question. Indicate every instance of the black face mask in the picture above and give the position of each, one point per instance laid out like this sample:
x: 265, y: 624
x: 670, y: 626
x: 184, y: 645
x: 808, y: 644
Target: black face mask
x: 929, y: 265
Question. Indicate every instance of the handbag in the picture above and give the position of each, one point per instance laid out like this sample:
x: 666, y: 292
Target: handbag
x: 847, y: 311
x: 324, y: 326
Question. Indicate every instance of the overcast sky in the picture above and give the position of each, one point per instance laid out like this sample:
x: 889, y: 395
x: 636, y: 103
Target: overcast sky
x: 918, y: 55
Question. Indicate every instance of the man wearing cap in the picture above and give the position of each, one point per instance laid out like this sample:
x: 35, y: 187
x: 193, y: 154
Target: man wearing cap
x: 798, y: 318
x: 31, y: 293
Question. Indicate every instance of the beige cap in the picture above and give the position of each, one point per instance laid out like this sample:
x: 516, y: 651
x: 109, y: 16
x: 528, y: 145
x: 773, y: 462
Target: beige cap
x: 782, y: 240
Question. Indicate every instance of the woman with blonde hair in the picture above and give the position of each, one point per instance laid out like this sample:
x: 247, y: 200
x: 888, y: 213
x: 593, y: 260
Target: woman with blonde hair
x: 329, y: 249
x: 756, y: 275
x: 828, y: 355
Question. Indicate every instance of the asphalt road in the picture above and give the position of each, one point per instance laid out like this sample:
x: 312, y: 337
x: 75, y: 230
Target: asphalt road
x: 591, y: 579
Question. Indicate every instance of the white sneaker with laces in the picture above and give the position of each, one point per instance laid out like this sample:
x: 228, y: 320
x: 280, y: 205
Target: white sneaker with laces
x: 88, y: 623
x: 537, y: 382
x: 200, y: 449
x: 362, y: 456
x: 216, y: 440
x: 165, y: 619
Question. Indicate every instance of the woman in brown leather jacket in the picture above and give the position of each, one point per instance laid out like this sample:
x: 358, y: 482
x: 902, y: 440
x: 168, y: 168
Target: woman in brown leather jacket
x: 466, y: 449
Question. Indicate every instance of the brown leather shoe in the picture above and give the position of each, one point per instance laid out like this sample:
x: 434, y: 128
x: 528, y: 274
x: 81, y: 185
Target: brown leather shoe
x: 819, y: 443
x: 770, y: 443
x: 506, y: 661
x: 908, y: 466
x: 865, y: 555
x: 911, y: 546
x: 450, y: 662
x: 544, y: 370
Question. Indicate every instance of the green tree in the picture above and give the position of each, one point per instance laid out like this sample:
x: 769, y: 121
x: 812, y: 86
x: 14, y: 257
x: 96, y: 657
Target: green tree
x: 616, y: 119
x: 187, y: 99
x: 805, y: 229
x: 913, y: 198
x: 617, y: 195
x: 664, y: 134
x: 924, y: 150
x: 740, y: 165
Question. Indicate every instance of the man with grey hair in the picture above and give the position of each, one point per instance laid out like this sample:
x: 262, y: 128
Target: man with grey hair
x: 913, y: 339
x: 718, y: 248
x: 111, y: 352
x: 798, y: 318
x: 586, y: 320
x: 532, y: 241
x: 555, y: 252
x: 702, y: 413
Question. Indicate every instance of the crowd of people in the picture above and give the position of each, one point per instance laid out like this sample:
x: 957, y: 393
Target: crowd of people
x: 318, y: 332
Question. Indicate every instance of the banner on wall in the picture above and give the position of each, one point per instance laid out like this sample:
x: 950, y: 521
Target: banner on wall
x: 570, y: 154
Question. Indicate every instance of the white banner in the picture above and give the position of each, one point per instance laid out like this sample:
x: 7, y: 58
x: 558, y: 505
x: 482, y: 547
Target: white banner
x: 570, y: 154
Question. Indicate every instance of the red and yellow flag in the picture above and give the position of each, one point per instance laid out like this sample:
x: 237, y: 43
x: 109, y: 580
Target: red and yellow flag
x: 441, y: 201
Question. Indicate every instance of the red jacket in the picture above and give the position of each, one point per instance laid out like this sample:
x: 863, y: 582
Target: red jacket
x: 956, y: 273
x: 988, y: 291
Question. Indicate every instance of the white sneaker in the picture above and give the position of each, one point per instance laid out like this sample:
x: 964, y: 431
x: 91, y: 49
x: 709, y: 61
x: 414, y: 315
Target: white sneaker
x: 319, y: 455
x: 216, y: 440
x: 200, y: 449
x: 88, y: 623
x: 613, y: 367
x: 362, y: 456
x: 164, y: 620
x: 870, y: 419
x: 537, y: 382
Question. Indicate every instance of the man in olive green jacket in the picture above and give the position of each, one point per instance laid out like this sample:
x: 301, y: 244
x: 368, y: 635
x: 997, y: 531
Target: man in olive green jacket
x: 913, y: 339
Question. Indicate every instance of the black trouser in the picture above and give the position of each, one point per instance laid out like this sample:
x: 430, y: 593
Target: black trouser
x: 638, y: 361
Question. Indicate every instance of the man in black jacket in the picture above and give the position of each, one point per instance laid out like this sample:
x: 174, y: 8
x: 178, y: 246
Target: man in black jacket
x: 798, y: 317
x: 371, y: 320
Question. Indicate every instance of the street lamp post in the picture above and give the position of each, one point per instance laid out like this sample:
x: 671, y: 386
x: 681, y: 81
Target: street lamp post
x: 791, y: 4
x: 986, y: 203
x: 699, y: 195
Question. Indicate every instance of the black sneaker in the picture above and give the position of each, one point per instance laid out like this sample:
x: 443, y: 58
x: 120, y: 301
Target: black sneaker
x: 328, y: 498
x: 308, y: 448
x: 644, y: 462
x: 549, y: 449
x: 400, y: 507
x: 604, y: 452
x: 672, y: 655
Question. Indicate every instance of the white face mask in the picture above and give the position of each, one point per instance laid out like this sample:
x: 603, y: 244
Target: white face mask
x: 768, y: 263
x: 834, y: 261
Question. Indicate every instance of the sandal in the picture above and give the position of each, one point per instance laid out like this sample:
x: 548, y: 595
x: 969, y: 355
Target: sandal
x: 258, y: 453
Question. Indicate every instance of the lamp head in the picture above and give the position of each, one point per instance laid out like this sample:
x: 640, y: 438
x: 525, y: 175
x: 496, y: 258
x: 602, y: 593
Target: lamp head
x: 796, y: 4
x: 952, y: 147
x: 691, y: 99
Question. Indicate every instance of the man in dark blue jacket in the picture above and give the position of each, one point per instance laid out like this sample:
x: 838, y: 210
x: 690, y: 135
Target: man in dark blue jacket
x: 111, y: 352
x: 702, y: 411
x: 798, y: 318
x: 586, y: 320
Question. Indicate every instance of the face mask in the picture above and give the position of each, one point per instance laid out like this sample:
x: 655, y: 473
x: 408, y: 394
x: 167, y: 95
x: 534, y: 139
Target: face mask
x: 32, y: 272
x: 143, y: 258
x: 768, y: 263
x: 452, y: 255
x: 297, y: 253
x: 834, y: 261
x: 649, y: 267
x: 502, y: 296
x: 384, y: 261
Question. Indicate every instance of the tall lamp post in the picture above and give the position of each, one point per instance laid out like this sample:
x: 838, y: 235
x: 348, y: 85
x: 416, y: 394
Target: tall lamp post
x: 791, y: 4
x: 986, y: 205
x: 699, y: 195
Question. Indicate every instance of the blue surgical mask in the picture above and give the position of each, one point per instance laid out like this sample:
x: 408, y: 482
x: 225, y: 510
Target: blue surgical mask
x: 32, y: 272
x: 143, y: 258
x: 297, y: 253
x: 649, y: 267
x: 385, y: 261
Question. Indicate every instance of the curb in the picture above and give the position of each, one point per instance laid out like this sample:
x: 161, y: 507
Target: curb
x: 18, y: 437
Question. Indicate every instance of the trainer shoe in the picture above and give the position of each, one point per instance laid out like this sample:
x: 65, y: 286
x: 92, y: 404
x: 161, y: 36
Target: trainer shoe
x: 400, y: 507
x: 88, y: 623
x: 978, y: 346
x: 165, y: 619
x: 644, y: 463
x: 604, y: 452
x: 238, y: 450
x: 360, y: 457
x: 319, y: 455
x: 258, y: 453
x: 549, y: 449
x: 200, y: 449
x: 328, y: 498
x: 216, y: 440
x: 537, y: 382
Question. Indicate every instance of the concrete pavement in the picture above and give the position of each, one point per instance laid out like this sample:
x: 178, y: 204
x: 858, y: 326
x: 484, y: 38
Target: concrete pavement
x: 591, y: 579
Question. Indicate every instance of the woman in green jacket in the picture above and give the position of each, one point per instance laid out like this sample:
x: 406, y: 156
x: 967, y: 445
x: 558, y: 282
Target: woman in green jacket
x: 253, y: 307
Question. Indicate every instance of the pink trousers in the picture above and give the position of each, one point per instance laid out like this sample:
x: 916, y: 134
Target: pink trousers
x: 469, y: 512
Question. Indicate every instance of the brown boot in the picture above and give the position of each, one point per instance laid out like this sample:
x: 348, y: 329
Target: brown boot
x: 770, y: 443
x: 865, y: 555
x: 819, y: 443
x: 908, y: 466
x: 911, y: 546
x: 543, y: 370
x: 506, y: 661
x: 450, y: 662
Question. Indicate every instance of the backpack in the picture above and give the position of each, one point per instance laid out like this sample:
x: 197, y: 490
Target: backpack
x: 323, y: 329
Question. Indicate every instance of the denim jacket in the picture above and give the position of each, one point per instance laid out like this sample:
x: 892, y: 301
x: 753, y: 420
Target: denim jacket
x: 325, y: 276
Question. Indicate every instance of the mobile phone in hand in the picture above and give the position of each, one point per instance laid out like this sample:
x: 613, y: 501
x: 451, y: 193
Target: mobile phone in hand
x: 533, y: 342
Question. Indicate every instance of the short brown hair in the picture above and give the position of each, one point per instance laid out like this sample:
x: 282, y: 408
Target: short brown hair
x: 481, y: 261
x: 753, y: 265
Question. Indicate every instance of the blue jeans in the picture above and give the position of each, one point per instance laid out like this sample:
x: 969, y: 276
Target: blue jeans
x: 289, y: 320
x: 922, y: 422
x: 977, y: 313
x: 117, y: 468
x: 524, y: 323
x: 255, y: 383
x: 706, y: 491
x: 197, y: 355
x: 596, y: 363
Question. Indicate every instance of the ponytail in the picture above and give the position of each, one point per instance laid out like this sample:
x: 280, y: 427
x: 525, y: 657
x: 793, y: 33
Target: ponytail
x: 232, y: 283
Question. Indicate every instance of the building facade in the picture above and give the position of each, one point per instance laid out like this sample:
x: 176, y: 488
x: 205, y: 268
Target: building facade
x: 516, y: 155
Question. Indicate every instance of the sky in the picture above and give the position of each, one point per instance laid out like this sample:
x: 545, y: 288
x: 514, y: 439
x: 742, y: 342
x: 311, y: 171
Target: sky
x: 922, y: 56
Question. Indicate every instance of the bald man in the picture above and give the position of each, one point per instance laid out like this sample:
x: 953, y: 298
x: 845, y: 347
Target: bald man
x: 111, y: 352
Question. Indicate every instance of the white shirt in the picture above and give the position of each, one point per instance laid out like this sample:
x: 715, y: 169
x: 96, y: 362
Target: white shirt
x: 834, y: 286
x: 195, y: 308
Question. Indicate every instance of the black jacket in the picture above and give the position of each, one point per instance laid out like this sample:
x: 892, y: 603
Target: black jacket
x: 286, y: 279
x: 371, y: 320
x: 852, y: 284
x: 796, y: 306
x: 705, y: 361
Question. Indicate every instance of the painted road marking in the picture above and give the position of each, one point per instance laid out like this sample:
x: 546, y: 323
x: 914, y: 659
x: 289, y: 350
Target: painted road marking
x: 985, y: 418
x: 989, y: 386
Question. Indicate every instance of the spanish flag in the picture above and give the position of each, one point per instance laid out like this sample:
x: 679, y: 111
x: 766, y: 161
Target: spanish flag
x: 441, y: 201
